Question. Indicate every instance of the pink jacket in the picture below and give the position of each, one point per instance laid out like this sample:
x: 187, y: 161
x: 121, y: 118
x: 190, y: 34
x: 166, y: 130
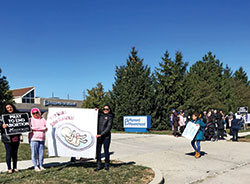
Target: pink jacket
x: 38, y: 127
x: 182, y: 120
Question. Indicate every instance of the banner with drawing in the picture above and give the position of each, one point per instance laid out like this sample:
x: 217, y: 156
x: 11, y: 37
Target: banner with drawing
x: 71, y: 132
x: 190, y: 131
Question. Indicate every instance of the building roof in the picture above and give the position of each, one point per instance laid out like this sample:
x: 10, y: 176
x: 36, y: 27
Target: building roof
x: 21, y: 91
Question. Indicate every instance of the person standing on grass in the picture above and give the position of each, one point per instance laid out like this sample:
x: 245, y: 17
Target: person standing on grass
x: 105, y: 122
x: 182, y: 121
x: 37, y: 138
x: 199, y: 136
x: 11, y: 142
x: 235, y: 127
x: 175, y: 123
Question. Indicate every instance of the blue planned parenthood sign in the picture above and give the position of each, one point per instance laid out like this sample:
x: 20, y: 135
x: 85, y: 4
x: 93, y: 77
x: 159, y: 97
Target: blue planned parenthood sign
x: 136, y: 123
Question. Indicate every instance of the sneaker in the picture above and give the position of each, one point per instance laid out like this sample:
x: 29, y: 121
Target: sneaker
x: 37, y: 169
x: 42, y: 169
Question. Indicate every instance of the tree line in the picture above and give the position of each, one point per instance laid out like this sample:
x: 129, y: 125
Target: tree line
x: 207, y: 84
x: 137, y: 90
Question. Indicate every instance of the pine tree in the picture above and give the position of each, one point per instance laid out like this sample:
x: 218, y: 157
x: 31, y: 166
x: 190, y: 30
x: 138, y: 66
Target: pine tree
x: 169, y: 92
x: 241, y: 75
x: 96, y: 97
x: 241, y: 89
x: 203, y: 85
x: 5, y: 93
x: 132, y: 91
x: 226, y: 91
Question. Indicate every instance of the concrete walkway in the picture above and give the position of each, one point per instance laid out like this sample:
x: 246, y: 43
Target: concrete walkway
x: 222, y: 161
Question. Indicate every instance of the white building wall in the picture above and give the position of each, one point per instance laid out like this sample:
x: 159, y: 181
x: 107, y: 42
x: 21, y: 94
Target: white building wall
x: 37, y: 100
x: 18, y: 99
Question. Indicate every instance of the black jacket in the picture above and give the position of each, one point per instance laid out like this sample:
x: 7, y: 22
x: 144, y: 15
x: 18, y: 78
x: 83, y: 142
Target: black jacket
x: 105, y: 122
x: 219, y: 121
x: 236, y: 124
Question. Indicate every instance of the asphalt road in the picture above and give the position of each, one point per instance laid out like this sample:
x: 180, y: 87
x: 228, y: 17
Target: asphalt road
x: 222, y: 161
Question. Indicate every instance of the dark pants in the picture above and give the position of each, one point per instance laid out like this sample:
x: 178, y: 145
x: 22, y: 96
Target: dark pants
x: 105, y: 141
x: 220, y: 133
x: 235, y: 134
x: 11, y: 152
x: 182, y: 128
x: 175, y: 130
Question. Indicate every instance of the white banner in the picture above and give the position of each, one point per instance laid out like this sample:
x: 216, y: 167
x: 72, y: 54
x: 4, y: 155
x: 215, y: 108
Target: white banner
x: 71, y: 132
x: 190, y: 131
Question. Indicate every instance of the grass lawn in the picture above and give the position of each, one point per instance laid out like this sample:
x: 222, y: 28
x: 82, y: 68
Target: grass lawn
x: 82, y: 172
x: 24, y: 152
x: 244, y: 139
x: 79, y: 172
x: 247, y: 129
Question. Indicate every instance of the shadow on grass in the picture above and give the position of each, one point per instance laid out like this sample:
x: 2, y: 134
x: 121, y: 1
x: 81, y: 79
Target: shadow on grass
x: 103, y: 155
x: 84, y: 164
x: 193, y: 153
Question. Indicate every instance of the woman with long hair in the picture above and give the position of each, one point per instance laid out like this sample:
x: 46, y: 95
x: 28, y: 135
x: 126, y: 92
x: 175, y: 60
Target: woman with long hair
x: 11, y: 142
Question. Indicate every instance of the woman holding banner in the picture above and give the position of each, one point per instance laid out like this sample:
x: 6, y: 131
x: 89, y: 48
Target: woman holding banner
x: 105, y: 121
x: 37, y: 138
x: 11, y: 142
x: 199, y: 136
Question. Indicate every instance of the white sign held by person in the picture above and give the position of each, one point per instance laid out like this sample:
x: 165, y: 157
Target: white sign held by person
x: 71, y: 132
x: 190, y: 130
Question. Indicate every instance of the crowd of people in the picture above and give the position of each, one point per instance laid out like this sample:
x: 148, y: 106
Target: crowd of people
x: 216, y: 123
x: 212, y: 126
x: 37, y: 138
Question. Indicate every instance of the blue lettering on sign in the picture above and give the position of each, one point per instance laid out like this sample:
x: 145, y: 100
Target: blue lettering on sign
x: 134, y: 122
x: 47, y: 103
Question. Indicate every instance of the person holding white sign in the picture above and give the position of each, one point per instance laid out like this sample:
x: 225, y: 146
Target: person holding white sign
x: 11, y: 142
x: 105, y: 122
x: 199, y: 136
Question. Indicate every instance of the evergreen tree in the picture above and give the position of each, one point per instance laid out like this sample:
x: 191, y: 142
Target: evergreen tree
x: 169, y: 92
x: 203, y: 85
x: 132, y: 91
x: 241, y: 75
x: 96, y: 97
x: 241, y: 89
x: 241, y: 95
x: 227, y: 94
x: 5, y: 93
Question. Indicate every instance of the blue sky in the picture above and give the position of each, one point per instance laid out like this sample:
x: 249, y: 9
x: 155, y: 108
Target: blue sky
x: 67, y: 46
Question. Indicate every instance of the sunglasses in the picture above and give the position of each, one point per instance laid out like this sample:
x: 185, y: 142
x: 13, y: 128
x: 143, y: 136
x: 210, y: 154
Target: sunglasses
x: 106, y: 109
x: 35, y: 113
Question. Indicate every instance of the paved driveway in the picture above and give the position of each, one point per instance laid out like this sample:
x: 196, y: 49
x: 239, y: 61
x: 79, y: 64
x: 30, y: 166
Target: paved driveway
x: 222, y: 162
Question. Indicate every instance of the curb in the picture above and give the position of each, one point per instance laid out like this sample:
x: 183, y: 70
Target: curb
x: 158, y: 179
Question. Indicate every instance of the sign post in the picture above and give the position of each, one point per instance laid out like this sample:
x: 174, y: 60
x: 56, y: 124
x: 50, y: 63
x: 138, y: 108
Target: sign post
x: 136, y: 123
x: 16, y: 123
